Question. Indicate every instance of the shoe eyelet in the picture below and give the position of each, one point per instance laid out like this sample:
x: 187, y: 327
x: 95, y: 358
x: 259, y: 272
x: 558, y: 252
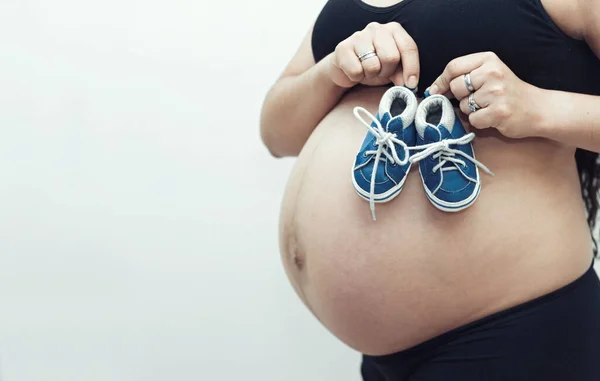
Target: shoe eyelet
x: 364, y: 154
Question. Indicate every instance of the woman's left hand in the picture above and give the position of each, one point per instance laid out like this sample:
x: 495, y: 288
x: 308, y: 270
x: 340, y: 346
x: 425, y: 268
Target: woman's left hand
x: 506, y: 102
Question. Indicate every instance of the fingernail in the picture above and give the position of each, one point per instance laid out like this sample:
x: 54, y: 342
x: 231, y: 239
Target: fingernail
x: 412, y: 81
x: 427, y: 93
x: 433, y: 89
x: 411, y: 89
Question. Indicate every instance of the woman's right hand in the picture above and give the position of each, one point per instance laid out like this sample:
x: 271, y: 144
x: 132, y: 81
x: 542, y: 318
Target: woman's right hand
x: 392, y: 45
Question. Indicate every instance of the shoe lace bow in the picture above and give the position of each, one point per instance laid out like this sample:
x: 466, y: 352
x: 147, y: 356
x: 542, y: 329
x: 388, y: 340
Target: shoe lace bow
x: 386, y: 143
x: 442, y: 150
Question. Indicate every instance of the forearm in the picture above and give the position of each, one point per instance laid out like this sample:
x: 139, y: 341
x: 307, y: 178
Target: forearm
x: 569, y: 118
x: 294, y: 106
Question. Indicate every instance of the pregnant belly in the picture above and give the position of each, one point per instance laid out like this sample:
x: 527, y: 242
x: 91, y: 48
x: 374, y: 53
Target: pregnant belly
x: 383, y: 286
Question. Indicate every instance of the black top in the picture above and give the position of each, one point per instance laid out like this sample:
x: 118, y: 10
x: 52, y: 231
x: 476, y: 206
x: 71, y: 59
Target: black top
x: 520, y: 32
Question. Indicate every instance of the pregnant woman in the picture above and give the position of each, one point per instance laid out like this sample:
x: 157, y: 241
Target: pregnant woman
x: 502, y: 290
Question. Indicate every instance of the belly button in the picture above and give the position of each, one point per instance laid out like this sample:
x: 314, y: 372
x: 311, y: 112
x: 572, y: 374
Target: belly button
x: 295, y: 254
x: 298, y: 258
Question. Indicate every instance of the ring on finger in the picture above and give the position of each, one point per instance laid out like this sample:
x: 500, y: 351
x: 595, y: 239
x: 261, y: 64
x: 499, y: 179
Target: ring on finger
x: 473, y: 106
x: 366, y: 56
x: 469, y: 83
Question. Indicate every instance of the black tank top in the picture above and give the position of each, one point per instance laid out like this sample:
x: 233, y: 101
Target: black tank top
x: 520, y: 32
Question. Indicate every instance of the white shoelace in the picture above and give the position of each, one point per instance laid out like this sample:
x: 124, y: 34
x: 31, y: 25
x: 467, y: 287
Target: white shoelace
x: 386, y: 144
x: 446, y: 154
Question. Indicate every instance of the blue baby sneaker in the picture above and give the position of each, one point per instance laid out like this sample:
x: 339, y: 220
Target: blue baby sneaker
x: 445, y: 155
x: 382, y: 163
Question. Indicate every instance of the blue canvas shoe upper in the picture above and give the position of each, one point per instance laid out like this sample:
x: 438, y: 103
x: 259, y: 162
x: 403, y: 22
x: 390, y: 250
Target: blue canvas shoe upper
x: 445, y: 155
x: 382, y: 163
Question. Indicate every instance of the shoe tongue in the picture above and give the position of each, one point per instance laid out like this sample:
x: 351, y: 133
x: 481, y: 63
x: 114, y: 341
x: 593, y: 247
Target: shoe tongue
x: 432, y: 134
x: 444, y: 132
x: 435, y: 111
x: 398, y: 105
x: 384, y: 118
x: 396, y: 126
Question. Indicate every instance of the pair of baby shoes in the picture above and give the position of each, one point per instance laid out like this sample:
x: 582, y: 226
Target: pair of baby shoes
x: 405, y: 132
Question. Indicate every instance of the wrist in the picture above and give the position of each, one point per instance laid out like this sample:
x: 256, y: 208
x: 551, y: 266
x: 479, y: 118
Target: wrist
x: 334, y: 76
x: 325, y: 72
x: 540, y: 111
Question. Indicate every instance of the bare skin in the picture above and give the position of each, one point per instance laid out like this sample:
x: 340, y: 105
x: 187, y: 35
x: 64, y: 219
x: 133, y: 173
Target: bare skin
x: 418, y: 272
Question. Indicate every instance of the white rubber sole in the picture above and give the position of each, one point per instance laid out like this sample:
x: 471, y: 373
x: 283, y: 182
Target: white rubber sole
x: 384, y: 197
x: 452, y: 207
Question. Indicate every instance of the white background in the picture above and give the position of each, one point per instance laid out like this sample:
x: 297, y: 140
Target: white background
x: 138, y: 207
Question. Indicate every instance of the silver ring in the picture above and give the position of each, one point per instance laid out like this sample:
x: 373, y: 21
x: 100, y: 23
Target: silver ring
x: 473, y: 106
x: 367, y: 55
x: 468, y: 83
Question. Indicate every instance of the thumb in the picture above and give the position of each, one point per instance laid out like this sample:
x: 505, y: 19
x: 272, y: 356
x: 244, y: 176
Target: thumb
x: 398, y: 77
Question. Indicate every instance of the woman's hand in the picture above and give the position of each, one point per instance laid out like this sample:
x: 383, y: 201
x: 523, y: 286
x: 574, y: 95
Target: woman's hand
x: 507, y: 103
x: 391, y: 44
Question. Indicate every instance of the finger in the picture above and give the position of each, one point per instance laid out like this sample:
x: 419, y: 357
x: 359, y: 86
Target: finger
x: 482, y: 102
x: 364, y: 44
x: 448, y: 94
x: 409, y: 55
x: 457, y: 67
x: 347, y: 60
x: 481, y: 119
x: 398, y: 77
x: 464, y: 106
x: 458, y: 86
x: 387, y: 52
